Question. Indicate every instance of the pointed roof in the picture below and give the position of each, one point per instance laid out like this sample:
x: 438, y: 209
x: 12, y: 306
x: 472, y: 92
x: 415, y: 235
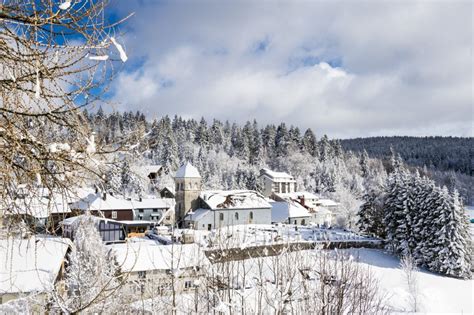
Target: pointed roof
x: 187, y: 171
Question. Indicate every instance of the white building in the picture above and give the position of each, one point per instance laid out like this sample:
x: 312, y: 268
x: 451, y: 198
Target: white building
x: 276, y: 182
x: 321, y: 210
x: 225, y: 208
x: 290, y: 212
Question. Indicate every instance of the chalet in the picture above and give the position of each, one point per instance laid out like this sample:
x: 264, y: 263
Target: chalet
x: 276, y: 182
x: 156, y: 210
x: 152, y: 172
x: 31, y: 267
x: 167, y: 192
x: 153, y: 269
x: 221, y: 208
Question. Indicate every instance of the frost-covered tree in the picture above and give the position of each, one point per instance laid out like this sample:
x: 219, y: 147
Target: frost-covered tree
x: 92, y: 280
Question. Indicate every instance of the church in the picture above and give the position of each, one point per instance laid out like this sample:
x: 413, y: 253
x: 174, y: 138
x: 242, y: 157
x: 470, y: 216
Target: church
x: 207, y: 210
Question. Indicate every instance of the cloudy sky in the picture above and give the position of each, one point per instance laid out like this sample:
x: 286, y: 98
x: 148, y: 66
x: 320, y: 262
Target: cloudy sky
x: 344, y: 68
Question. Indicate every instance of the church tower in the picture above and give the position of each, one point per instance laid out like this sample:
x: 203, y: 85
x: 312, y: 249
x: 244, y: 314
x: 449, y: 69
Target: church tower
x: 188, y: 187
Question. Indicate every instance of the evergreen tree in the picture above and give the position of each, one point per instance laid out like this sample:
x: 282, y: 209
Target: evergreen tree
x: 309, y: 143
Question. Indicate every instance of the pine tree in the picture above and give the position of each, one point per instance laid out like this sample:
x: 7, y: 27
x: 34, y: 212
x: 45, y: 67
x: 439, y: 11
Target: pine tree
x: 454, y: 258
x: 309, y: 142
x: 371, y: 215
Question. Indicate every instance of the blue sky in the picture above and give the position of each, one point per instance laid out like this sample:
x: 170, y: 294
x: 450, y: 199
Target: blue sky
x: 344, y: 68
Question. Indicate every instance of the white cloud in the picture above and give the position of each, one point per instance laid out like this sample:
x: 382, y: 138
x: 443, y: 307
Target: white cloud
x: 406, y: 67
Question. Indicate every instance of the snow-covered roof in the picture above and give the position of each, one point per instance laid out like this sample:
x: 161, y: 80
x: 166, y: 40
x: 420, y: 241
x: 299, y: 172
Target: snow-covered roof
x: 146, y: 255
x: 187, y: 171
x: 282, y: 210
x: 327, y: 203
x: 196, y: 215
x: 276, y: 175
x: 30, y: 265
x: 297, y: 195
x: 147, y: 169
x: 95, y: 202
x: 40, y: 202
x: 41, y: 207
x: 234, y: 199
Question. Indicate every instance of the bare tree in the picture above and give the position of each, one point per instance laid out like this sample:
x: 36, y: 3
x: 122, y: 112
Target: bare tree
x: 55, y: 59
x: 408, y: 266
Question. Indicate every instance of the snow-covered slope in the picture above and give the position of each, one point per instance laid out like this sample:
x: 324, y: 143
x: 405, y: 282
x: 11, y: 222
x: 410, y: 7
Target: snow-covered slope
x: 438, y: 294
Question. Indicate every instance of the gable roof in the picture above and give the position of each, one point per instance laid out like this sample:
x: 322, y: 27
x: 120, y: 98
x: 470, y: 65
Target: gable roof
x: 148, y: 255
x: 147, y: 169
x: 187, y: 171
x: 234, y: 199
x: 276, y: 175
x: 196, y: 215
x: 30, y: 265
x: 95, y: 202
x: 282, y: 211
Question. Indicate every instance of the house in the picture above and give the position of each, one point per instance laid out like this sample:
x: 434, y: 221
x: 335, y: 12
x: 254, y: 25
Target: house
x: 321, y: 210
x: 276, y: 182
x: 156, y: 210
x: 290, y: 212
x: 167, y: 192
x: 221, y: 208
x: 31, y: 267
x: 110, y: 230
x: 152, y: 269
x: 39, y: 208
x: 152, y: 172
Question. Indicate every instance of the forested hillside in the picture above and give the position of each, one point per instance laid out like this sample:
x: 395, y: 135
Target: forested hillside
x: 440, y: 153
x: 230, y: 155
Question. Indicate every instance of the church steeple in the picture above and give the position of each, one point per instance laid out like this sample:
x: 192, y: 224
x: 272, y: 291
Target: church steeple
x: 188, y: 188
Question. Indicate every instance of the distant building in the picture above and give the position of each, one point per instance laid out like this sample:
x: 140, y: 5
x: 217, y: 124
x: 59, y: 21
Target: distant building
x: 290, y: 212
x: 30, y: 267
x: 152, y: 172
x: 187, y: 189
x: 39, y: 208
x: 225, y: 208
x: 110, y: 230
x: 157, y: 210
x: 321, y: 210
x: 276, y: 182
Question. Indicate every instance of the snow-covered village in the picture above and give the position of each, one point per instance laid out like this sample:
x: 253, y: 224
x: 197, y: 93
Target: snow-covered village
x: 236, y: 157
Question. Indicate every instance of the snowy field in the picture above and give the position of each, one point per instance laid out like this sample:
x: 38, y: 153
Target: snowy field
x: 438, y: 294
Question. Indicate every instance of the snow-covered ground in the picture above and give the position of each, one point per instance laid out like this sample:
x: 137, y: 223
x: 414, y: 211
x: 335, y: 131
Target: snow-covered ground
x: 254, y: 235
x: 438, y: 294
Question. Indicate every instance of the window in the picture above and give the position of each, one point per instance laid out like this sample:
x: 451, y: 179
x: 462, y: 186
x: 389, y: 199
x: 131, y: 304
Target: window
x: 236, y: 215
x: 188, y: 284
x: 114, y: 214
x: 140, y: 217
x: 177, y: 186
x: 155, y: 210
x: 221, y: 216
x: 141, y: 274
x: 140, y: 210
x: 251, y: 215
